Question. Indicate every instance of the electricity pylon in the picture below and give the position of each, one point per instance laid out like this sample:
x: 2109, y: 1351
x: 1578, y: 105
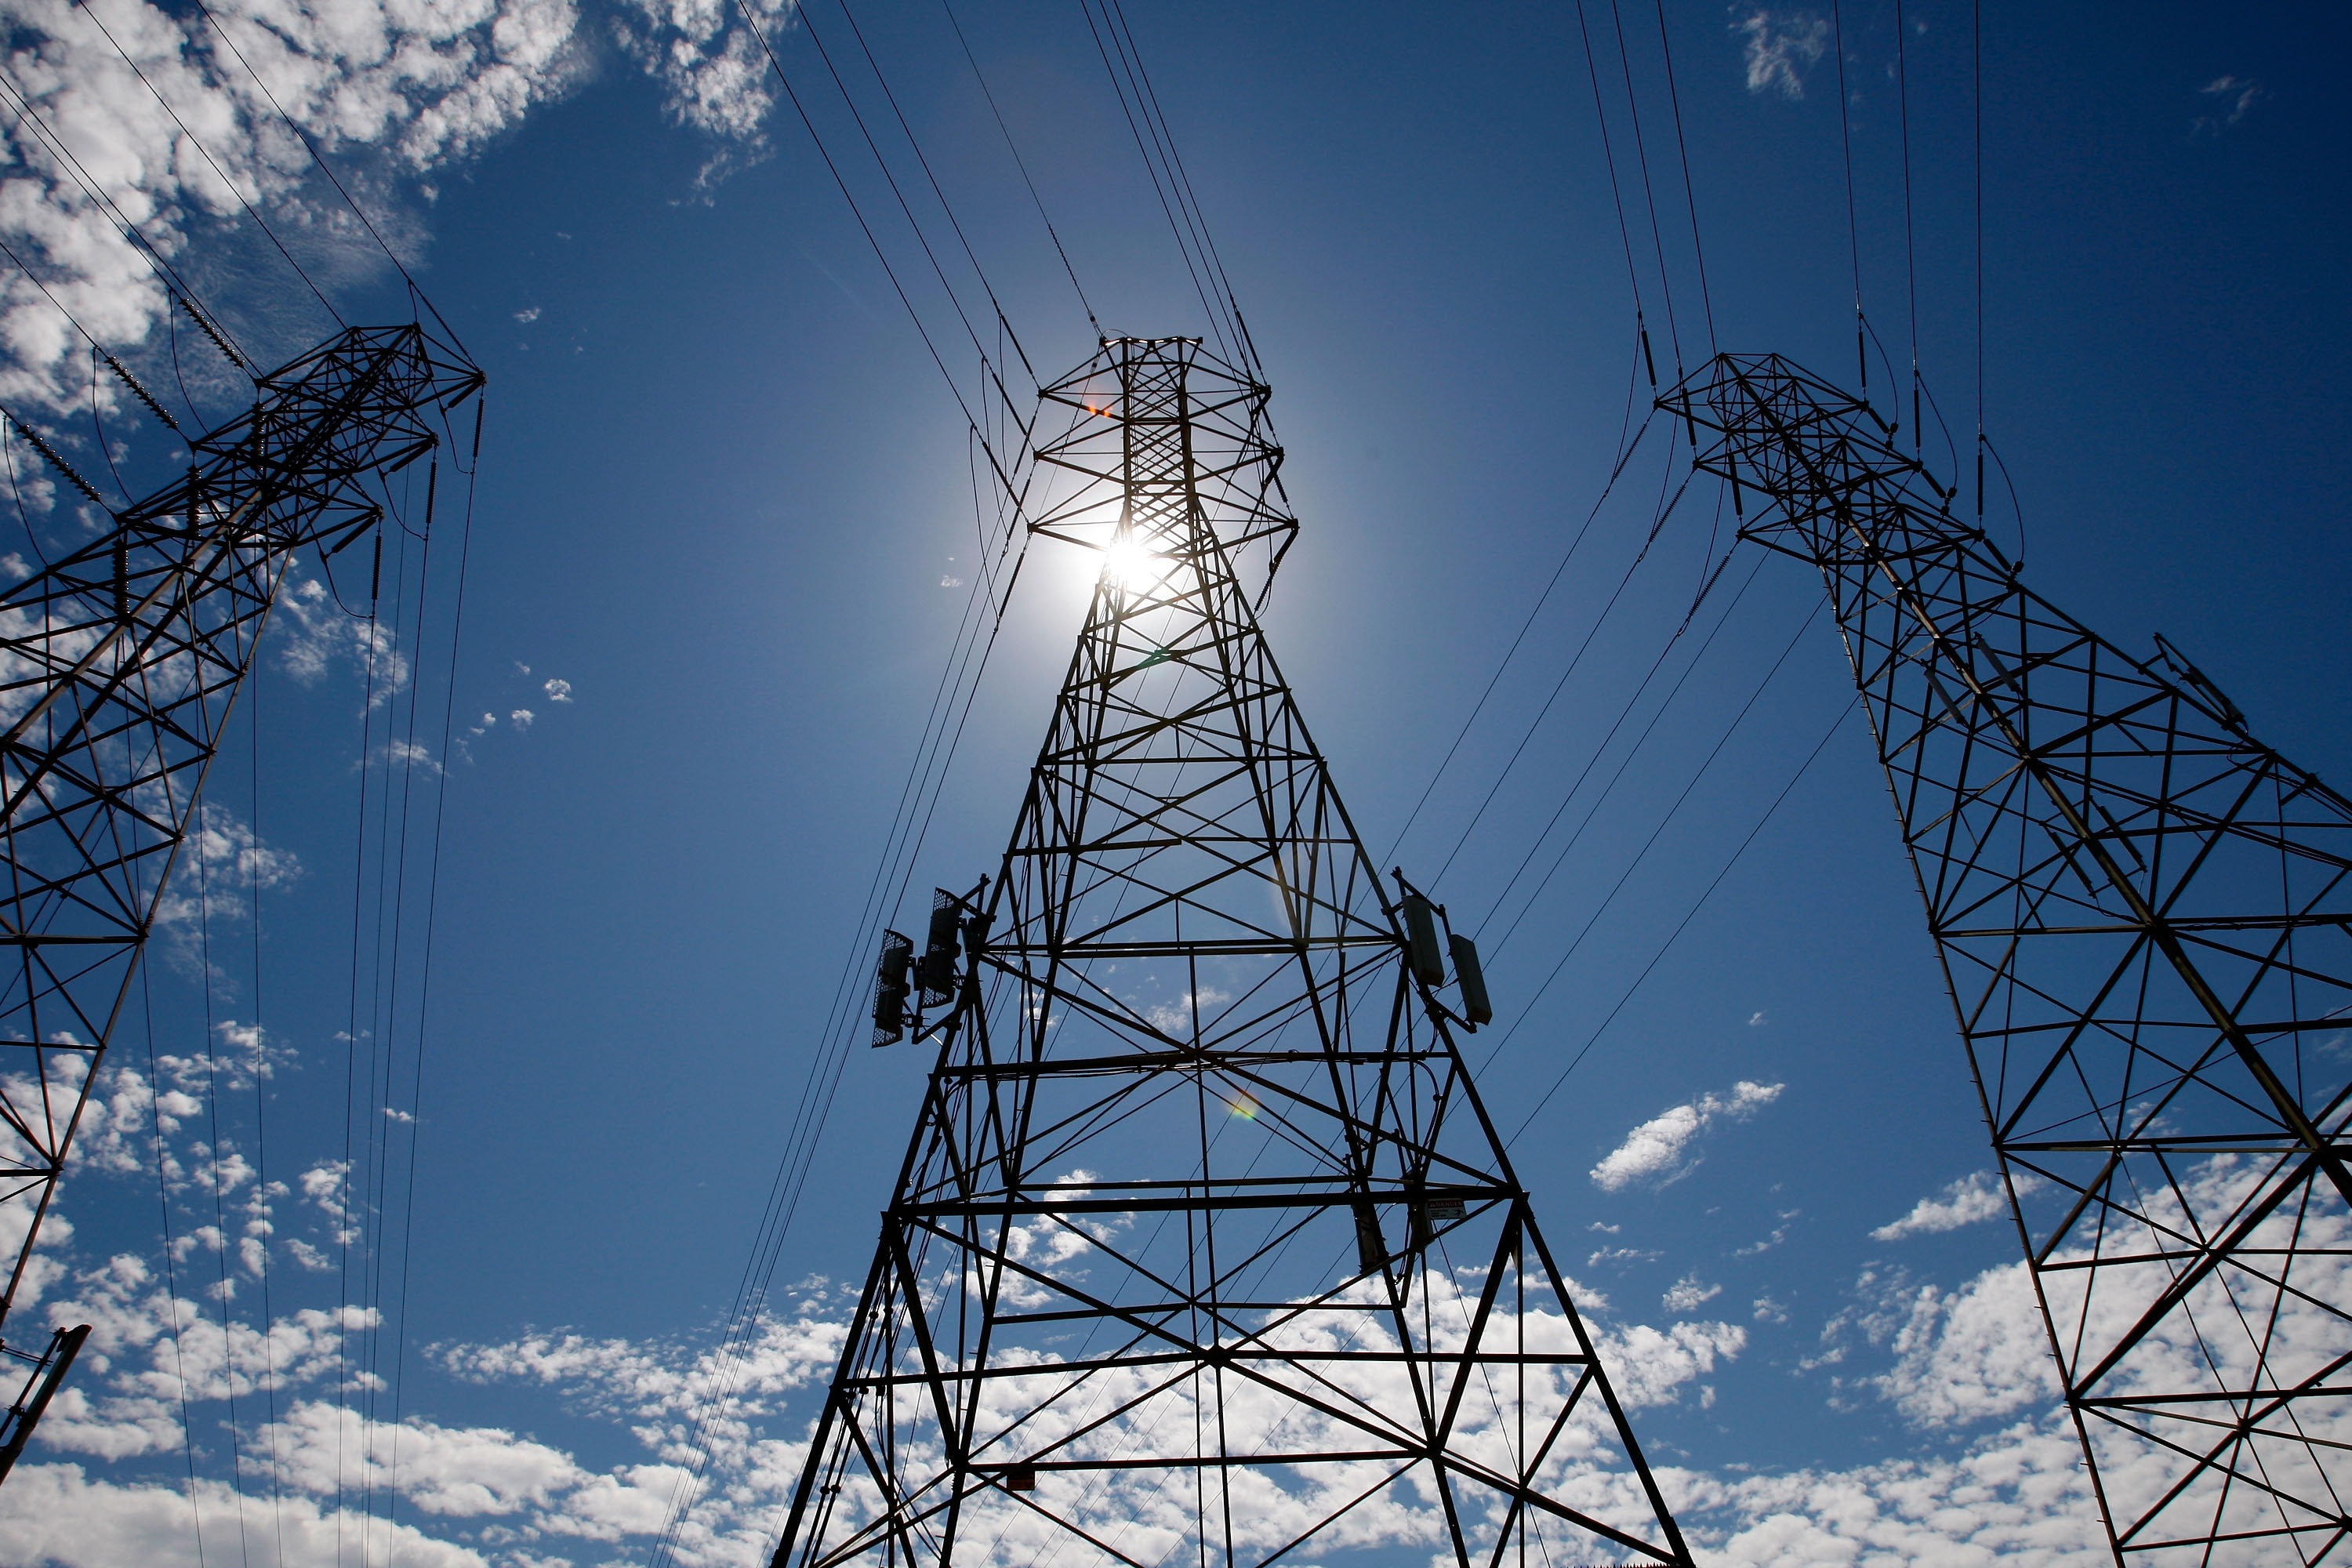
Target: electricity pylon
x: 1204, y: 1245
x: 2143, y: 917
x: 120, y: 663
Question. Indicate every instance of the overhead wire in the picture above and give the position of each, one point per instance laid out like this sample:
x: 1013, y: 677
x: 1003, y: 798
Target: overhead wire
x: 1576, y: 542
x: 1976, y: 116
x: 1910, y: 256
x: 214, y: 165
x: 470, y: 470
x: 1690, y: 194
x: 1191, y: 237
x: 1616, y: 191
x: 1019, y: 162
x: 170, y: 1256
x: 1680, y: 926
x: 1649, y: 189
x: 1665, y: 511
x: 1191, y: 199
x: 1656, y: 833
x: 1853, y: 226
x: 966, y: 664
x: 1599, y: 751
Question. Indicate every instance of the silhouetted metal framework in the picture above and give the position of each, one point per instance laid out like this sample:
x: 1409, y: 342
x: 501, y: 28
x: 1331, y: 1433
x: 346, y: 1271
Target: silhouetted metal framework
x: 119, y: 666
x: 1205, y: 1247
x: 2143, y: 917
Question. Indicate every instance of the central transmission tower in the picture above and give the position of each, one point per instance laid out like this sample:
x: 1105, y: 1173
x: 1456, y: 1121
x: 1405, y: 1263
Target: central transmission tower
x: 1205, y: 1249
x: 2146, y: 928
x: 120, y: 663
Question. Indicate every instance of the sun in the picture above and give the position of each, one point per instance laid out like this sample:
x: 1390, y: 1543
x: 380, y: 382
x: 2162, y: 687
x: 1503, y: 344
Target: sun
x: 1128, y: 563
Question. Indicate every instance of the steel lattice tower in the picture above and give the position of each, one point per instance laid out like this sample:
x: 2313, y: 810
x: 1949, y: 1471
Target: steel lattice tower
x: 2143, y: 917
x: 119, y: 666
x: 1204, y: 1248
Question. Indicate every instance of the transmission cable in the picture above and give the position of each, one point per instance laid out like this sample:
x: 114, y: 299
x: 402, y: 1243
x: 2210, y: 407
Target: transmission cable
x: 1651, y: 842
x: 158, y: 265
x: 1853, y: 227
x: 1665, y: 511
x: 1690, y: 196
x: 432, y: 912
x: 1649, y: 191
x: 1227, y: 333
x: 1910, y: 255
x: 216, y: 169
x: 1625, y: 455
x: 1183, y: 179
x: 1021, y: 163
x: 1688, y: 915
x: 1594, y: 760
x: 955, y: 303
x: 1609, y: 156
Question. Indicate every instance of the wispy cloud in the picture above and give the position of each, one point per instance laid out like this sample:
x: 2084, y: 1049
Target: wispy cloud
x: 1687, y: 1295
x: 2235, y: 96
x: 1655, y: 1150
x: 1780, y: 48
x: 1969, y: 1201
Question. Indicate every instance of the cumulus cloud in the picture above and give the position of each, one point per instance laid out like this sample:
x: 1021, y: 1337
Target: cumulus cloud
x: 490, y: 1497
x: 2019, y: 1497
x: 715, y: 74
x: 1687, y: 1295
x: 557, y: 690
x: 1969, y: 1201
x: 1778, y: 48
x: 1654, y: 1151
x: 392, y: 94
x: 394, y: 91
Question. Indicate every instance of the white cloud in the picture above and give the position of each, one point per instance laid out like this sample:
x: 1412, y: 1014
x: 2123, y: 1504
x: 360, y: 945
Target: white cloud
x: 558, y: 690
x: 320, y: 633
x: 2019, y: 1497
x: 1621, y: 1255
x: 1780, y: 46
x: 1687, y: 1295
x: 527, y: 317
x: 56, y: 1515
x: 520, y: 718
x: 1768, y: 1310
x: 479, y: 1496
x: 2236, y: 94
x: 1655, y: 1148
x: 394, y: 92
x: 1969, y: 1201
x: 1971, y: 1354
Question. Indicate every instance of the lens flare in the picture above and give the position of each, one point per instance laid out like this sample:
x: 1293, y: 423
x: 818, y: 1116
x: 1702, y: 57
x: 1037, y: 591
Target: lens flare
x: 1243, y: 1106
x: 1132, y: 567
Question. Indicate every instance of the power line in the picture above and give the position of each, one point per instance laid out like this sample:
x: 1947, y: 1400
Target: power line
x: 1624, y: 457
x: 1910, y: 256
x: 1594, y: 760
x: 1021, y: 163
x: 1853, y: 227
x: 1665, y: 511
x: 206, y: 152
x: 1676, y: 935
x: 1690, y: 196
x: 1651, y: 842
x: 1649, y: 191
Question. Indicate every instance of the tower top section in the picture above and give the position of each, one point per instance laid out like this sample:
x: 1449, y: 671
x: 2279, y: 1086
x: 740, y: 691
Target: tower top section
x: 1168, y: 408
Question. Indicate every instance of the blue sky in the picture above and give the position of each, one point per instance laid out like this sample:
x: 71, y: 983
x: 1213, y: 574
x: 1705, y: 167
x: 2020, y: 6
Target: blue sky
x: 722, y: 502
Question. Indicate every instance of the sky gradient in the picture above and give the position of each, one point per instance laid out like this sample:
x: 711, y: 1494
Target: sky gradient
x: 722, y: 531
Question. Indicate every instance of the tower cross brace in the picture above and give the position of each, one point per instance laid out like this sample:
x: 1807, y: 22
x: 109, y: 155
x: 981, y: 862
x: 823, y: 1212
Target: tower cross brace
x: 2146, y: 929
x: 1204, y: 1248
